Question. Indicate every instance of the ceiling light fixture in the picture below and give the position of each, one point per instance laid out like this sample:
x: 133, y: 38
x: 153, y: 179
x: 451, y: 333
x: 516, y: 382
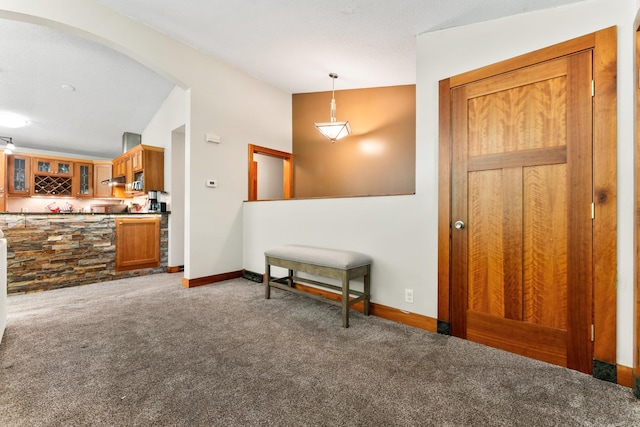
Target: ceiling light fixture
x: 11, y: 120
x: 334, y: 130
x: 9, y: 147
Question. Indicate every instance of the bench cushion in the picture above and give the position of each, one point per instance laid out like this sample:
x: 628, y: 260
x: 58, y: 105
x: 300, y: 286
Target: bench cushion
x: 333, y: 258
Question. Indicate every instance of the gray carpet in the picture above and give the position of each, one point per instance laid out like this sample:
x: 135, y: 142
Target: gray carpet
x: 146, y: 351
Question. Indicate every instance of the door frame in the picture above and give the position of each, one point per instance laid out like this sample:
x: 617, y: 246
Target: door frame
x: 287, y: 178
x: 604, y: 46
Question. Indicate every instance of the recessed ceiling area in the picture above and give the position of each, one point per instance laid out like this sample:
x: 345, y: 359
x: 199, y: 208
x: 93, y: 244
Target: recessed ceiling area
x: 80, y: 96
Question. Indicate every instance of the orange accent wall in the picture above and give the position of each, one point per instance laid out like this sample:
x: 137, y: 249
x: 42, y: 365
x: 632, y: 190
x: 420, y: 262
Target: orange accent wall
x: 377, y: 158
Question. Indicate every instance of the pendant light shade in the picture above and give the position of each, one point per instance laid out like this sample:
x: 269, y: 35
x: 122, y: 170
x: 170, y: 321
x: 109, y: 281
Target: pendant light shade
x: 333, y: 129
x: 8, y: 149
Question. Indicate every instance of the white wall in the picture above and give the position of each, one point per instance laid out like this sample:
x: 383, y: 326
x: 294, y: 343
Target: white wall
x: 159, y: 132
x: 270, y: 177
x: 175, y: 201
x: 401, y: 232
x: 222, y: 100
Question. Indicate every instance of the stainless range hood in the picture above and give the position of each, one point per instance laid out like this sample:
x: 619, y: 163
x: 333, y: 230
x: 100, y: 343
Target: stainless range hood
x: 130, y: 140
x: 118, y: 180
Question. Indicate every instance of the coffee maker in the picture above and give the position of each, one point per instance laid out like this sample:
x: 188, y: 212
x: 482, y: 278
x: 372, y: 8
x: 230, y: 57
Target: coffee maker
x: 154, y: 204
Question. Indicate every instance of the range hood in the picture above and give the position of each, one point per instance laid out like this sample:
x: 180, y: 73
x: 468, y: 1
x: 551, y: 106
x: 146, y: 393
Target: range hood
x: 118, y: 180
x: 130, y: 140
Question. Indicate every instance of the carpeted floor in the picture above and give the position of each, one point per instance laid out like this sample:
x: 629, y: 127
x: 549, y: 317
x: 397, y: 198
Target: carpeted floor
x: 146, y: 351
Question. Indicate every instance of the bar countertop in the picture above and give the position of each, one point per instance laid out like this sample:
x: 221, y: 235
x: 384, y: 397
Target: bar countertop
x: 85, y: 213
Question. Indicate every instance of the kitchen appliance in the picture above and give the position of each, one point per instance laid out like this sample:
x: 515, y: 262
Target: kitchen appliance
x: 154, y: 204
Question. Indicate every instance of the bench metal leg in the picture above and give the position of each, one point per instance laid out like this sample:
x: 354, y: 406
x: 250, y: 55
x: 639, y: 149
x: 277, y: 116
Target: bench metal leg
x: 267, y: 277
x: 345, y: 300
x: 367, y: 290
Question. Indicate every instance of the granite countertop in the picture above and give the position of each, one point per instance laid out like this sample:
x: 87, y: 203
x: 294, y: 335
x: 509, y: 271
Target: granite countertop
x: 84, y: 213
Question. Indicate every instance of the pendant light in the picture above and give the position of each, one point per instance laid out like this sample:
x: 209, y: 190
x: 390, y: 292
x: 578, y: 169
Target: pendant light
x: 334, y: 130
x: 9, y: 147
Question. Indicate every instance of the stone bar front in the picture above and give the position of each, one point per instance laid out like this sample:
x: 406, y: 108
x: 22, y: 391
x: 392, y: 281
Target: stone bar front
x: 50, y: 251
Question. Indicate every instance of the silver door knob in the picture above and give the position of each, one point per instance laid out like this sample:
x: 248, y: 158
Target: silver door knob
x: 459, y: 225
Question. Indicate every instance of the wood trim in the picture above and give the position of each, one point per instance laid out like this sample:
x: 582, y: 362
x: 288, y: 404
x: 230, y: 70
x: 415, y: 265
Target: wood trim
x: 459, y: 197
x: 636, y: 307
x: 174, y: 269
x: 444, y: 202
x: 624, y: 375
x: 604, y: 45
x: 412, y: 319
x: 546, y: 54
x: 207, y: 280
x: 539, y: 156
x: 580, y: 262
x: 287, y: 171
x: 605, y: 171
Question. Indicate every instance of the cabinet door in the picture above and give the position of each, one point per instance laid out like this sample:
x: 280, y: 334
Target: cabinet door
x: 102, y: 172
x: 136, y: 160
x: 119, y: 166
x: 137, y: 243
x: 64, y: 168
x: 19, y: 174
x: 83, y: 180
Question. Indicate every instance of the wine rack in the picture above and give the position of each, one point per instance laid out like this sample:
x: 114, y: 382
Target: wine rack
x: 52, y: 185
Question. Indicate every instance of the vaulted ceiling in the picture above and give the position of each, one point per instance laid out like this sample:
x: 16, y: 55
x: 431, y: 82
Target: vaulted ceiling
x: 290, y: 44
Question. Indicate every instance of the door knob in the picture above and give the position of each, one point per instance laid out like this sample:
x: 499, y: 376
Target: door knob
x: 459, y: 225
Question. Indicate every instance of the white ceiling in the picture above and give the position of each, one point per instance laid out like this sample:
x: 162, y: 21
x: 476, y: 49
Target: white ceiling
x: 291, y: 44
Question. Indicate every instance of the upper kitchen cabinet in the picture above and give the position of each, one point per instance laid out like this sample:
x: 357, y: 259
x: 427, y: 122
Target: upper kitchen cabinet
x: 45, y: 166
x: 19, y: 175
x: 143, y: 170
x: 122, y: 167
x: 52, y: 176
x: 82, y: 183
x: 102, y: 171
x: 147, y: 164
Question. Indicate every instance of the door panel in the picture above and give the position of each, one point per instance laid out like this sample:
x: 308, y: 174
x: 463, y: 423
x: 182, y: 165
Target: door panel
x: 545, y: 246
x: 522, y: 182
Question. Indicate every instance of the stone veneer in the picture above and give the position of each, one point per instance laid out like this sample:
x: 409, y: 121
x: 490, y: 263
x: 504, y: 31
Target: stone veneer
x: 50, y: 251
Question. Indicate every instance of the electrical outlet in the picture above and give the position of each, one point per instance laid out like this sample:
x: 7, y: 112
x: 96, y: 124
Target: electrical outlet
x: 408, y: 295
x: 212, y: 183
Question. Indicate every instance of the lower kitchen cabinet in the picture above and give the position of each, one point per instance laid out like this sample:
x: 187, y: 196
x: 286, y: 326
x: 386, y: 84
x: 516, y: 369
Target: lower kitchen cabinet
x: 137, y: 243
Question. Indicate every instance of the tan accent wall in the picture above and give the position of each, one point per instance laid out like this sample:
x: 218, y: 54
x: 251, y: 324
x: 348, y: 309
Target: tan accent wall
x: 378, y: 158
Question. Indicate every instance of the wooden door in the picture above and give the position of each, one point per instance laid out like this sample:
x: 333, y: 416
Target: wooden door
x: 521, y: 266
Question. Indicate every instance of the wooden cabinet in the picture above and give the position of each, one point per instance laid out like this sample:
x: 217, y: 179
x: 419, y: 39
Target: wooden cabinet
x: 149, y: 167
x: 120, y: 166
x: 46, y: 166
x: 137, y: 159
x: 137, y: 243
x: 142, y: 164
x: 82, y: 183
x: 19, y: 175
x: 52, y: 177
x: 102, y: 172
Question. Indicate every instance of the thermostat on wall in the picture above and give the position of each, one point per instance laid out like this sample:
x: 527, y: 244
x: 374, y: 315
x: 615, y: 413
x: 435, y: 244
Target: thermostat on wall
x: 212, y: 183
x: 213, y: 138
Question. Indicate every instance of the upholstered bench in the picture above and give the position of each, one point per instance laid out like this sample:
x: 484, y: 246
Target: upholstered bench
x: 336, y: 264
